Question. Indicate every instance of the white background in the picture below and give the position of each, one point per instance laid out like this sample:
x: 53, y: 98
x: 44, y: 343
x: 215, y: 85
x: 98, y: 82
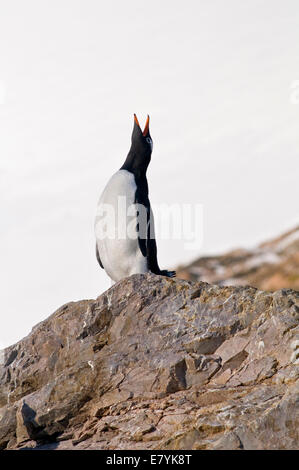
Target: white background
x: 216, y: 78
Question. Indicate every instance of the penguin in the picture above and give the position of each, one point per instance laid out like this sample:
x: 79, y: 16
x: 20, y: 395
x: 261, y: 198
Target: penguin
x: 124, y: 226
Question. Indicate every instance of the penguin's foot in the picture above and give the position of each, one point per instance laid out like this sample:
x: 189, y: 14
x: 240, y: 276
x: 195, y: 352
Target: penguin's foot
x: 168, y: 273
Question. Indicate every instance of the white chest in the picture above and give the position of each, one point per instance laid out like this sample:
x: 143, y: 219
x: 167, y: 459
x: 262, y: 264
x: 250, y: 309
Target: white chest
x: 116, y: 228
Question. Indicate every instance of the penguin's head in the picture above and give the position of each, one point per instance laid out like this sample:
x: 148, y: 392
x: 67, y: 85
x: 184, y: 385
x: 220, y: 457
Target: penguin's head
x: 142, y: 145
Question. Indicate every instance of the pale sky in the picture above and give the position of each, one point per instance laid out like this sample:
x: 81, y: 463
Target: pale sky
x: 219, y: 82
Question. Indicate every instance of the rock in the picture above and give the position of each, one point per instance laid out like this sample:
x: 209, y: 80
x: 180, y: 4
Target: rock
x: 270, y: 266
x: 229, y: 440
x: 7, y: 426
x: 157, y: 363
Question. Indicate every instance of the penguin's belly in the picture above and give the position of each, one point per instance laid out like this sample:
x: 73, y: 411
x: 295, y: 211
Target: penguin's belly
x: 116, y: 228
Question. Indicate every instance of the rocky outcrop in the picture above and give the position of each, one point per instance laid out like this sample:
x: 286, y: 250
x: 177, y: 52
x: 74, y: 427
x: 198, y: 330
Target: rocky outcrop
x: 157, y: 363
x: 270, y: 266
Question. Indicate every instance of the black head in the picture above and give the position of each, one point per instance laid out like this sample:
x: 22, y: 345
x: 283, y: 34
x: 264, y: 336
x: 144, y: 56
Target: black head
x: 140, y: 152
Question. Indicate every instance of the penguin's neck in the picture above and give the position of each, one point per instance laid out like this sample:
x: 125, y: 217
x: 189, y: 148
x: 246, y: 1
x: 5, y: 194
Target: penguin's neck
x: 134, y: 165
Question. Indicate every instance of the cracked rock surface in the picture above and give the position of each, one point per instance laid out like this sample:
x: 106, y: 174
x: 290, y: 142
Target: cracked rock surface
x: 157, y: 363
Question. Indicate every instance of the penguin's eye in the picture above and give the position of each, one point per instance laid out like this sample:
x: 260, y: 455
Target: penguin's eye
x: 149, y: 141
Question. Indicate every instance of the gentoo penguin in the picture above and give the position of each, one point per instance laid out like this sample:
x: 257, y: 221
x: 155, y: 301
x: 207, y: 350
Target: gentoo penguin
x: 124, y: 227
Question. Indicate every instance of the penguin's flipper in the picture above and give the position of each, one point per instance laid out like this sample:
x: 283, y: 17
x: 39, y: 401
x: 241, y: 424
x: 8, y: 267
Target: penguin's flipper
x: 146, y: 238
x: 98, y: 257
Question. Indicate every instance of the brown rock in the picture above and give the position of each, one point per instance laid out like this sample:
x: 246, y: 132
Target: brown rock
x: 270, y: 266
x: 157, y: 363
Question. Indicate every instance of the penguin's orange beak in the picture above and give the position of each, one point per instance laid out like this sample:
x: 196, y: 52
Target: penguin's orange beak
x: 145, y: 131
x: 136, y: 120
x: 146, y: 128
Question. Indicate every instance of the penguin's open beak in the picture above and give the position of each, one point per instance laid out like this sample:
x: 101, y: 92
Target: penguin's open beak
x: 146, y: 128
x: 136, y: 120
